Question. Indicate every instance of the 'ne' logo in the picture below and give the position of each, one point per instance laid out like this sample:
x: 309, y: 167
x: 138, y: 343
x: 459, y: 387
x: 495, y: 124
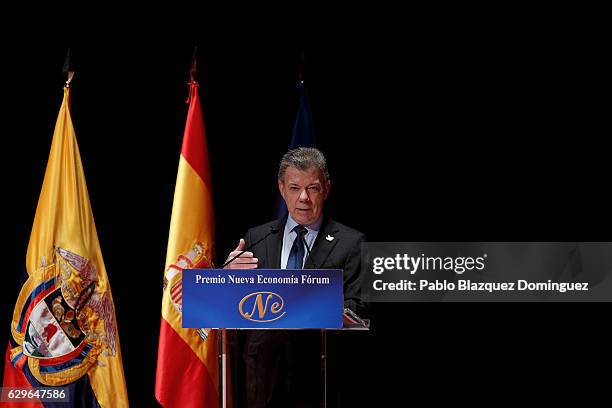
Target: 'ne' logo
x: 260, y: 302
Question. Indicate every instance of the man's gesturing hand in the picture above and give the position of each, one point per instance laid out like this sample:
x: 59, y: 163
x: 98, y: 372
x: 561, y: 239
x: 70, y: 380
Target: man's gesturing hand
x: 244, y: 261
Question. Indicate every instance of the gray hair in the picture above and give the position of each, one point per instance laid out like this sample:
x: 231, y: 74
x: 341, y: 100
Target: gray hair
x: 303, y: 158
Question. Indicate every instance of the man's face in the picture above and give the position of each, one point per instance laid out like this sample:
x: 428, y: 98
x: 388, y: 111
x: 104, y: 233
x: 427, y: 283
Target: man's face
x: 304, y: 192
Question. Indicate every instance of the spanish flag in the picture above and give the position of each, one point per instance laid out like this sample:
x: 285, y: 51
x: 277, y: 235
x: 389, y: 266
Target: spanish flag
x: 64, y: 331
x: 187, y: 363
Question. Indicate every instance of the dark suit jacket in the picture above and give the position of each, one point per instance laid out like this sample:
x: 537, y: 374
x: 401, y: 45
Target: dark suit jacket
x: 282, y: 367
x: 343, y: 252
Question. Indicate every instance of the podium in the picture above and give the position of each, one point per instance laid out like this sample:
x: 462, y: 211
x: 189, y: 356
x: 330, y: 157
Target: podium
x: 261, y: 299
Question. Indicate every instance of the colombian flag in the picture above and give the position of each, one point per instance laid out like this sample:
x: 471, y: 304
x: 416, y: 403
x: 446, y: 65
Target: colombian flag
x: 187, y: 364
x: 64, y: 331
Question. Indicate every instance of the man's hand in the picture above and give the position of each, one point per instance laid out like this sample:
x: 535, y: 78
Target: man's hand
x: 244, y: 261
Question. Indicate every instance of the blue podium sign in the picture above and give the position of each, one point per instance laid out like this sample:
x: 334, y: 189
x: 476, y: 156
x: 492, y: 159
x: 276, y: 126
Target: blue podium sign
x: 262, y: 298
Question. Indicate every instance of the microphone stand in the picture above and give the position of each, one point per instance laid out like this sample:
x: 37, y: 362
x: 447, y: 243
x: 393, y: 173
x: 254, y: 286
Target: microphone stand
x: 323, y: 336
x: 273, y: 230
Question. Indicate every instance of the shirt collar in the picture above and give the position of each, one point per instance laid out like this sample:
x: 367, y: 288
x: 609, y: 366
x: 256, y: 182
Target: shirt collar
x: 314, y: 227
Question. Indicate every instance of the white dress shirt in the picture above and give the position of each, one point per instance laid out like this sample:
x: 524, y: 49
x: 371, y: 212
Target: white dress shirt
x: 289, y: 236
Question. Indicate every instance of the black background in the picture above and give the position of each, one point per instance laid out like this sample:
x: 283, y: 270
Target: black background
x: 456, y: 132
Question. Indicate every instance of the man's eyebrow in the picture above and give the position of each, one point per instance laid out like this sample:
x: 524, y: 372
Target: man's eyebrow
x: 316, y: 183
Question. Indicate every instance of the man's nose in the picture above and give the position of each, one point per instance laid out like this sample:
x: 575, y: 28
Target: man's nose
x: 304, y: 195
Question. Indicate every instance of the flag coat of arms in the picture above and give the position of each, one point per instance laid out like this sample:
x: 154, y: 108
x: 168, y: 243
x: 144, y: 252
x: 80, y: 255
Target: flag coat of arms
x: 187, y: 362
x: 63, y: 331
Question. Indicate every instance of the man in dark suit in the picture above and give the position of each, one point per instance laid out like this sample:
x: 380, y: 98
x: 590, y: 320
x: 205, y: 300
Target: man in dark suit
x: 282, y: 368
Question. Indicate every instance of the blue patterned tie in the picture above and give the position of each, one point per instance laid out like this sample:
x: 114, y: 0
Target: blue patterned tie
x: 296, y: 256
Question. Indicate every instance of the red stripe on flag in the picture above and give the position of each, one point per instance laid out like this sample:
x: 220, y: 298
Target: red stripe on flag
x: 15, y: 378
x: 67, y: 357
x: 182, y: 379
x: 21, y: 362
x: 195, y: 149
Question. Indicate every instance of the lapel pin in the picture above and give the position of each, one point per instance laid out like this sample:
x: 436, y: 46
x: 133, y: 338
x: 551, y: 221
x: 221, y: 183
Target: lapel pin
x: 329, y: 238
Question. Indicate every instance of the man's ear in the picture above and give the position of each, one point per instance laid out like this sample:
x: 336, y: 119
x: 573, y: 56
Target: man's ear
x: 281, y: 188
x: 327, y: 188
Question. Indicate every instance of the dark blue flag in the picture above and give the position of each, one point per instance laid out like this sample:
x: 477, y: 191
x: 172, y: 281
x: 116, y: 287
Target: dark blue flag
x: 303, y: 136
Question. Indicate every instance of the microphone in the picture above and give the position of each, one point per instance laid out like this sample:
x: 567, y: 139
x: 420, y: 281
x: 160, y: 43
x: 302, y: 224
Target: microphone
x: 273, y: 230
x: 308, y: 250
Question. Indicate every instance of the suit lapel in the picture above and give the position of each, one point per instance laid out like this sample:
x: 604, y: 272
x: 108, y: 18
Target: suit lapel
x: 323, y: 246
x: 274, y: 245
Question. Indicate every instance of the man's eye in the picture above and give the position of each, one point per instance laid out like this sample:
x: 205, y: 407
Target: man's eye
x: 313, y: 189
x: 293, y: 188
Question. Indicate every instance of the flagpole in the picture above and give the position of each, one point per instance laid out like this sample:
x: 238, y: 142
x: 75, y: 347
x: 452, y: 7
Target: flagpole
x: 224, y: 365
x: 301, y: 66
x: 67, y: 69
x: 324, y: 365
x: 223, y: 356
